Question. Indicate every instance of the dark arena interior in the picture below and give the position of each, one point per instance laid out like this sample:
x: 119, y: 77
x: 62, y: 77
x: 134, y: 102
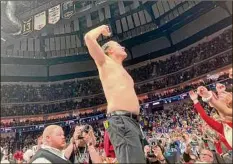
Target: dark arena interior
x: 112, y: 81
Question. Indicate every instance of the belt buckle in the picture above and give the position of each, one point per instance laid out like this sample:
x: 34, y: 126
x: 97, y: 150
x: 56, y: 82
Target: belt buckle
x: 120, y: 112
x: 131, y: 115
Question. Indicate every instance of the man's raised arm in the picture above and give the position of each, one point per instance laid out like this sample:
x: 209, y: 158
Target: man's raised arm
x: 94, y: 48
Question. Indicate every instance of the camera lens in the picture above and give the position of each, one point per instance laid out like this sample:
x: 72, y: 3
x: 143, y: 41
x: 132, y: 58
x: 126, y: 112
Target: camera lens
x: 86, y: 128
x: 151, y: 155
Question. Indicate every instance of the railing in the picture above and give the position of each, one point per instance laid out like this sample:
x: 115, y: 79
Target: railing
x: 61, y: 123
x: 137, y: 84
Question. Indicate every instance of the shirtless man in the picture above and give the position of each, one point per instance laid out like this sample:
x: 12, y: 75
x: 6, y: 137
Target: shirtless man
x: 123, y: 106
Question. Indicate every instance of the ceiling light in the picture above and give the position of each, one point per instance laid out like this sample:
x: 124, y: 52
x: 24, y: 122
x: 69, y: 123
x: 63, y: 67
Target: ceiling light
x: 3, y: 39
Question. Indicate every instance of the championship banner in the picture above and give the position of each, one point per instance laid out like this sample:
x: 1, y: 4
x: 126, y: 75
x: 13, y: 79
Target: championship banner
x: 54, y: 14
x: 27, y: 26
x: 68, y: 9
x: 40, y: 20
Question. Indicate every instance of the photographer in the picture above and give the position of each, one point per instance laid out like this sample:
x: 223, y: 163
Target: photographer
x: 82, y: 146
x: 95, y: 155
x: 154, y: 154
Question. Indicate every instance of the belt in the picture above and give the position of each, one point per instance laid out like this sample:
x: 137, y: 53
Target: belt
x: 123, y: 113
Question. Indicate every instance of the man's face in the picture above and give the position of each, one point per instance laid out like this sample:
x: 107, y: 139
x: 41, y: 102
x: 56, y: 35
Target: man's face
x: 116, y: 49
x: 206, y: 156
x: 57, y: 139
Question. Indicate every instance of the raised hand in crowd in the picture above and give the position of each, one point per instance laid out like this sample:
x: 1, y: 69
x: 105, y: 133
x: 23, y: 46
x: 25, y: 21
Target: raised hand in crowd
x: 77, y: 137
x: 204, y: 93
x: 220, y: 88
x: 159, y: 154
x: 194, y: 96
x: 146, y: 150
x: 75, y: 142
x: 89, y: 137
x: 225, y: 97
x: 212, y: 99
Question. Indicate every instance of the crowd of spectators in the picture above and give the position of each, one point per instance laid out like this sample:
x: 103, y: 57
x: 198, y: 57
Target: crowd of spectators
x: 52, y: 120
x: 150, y: 97
x: 28, y: 139
x: 149, y: 121
x: 172, y: 117
x: 76, y: 88
x: 34, y: 109
x: 188, y: 74
x: 181, y: 129
x: 185, y: 58
x: 178, y: 119
x: 167, y: 81
x: 185, y: 88
x: 50, y: 92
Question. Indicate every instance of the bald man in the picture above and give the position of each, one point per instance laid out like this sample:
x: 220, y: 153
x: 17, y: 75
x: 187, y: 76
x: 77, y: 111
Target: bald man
x: 123, y: 105
x: 51, y: 150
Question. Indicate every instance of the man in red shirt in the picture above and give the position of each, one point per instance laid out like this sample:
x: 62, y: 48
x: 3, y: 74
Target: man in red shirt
x: 224, y: 128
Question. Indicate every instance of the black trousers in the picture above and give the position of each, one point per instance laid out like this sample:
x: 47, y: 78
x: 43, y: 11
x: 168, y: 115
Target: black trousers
x: 127, y: 139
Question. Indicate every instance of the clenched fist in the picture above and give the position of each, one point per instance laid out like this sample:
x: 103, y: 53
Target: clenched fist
x: 105, y: 30
x: 220, y: 88
x: 193, y: 95
x: 203, y: 92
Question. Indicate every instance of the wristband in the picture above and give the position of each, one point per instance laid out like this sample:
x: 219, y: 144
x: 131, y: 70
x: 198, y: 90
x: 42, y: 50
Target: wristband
x: 195, y: 101
x: 208, y: 98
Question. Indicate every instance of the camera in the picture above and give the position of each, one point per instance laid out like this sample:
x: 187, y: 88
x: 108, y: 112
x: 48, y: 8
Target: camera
x: 152, y: 143
x: 151, y: 155
x: 85, y: 129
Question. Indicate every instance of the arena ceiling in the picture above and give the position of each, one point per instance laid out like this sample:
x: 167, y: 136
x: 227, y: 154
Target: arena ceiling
x: 163, y: 27
x: 24, y: 9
